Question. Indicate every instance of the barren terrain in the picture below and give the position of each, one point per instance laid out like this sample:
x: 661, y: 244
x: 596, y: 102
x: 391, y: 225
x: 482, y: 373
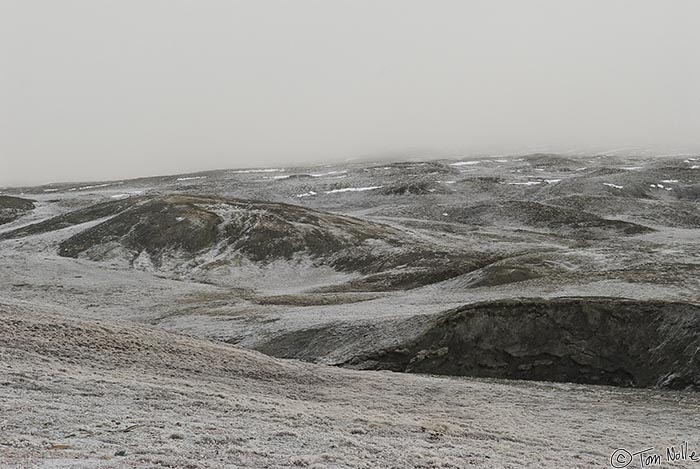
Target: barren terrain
x: 190, y: 320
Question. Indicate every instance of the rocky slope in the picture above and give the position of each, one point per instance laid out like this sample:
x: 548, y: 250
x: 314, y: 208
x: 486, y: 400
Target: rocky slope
x: 584, y: 340
x: 12, y: 208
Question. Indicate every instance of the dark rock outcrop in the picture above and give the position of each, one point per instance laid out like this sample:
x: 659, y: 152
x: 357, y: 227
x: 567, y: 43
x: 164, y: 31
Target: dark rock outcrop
x: 76, y: 217
x: 12, y: 208
x: 583, y: 340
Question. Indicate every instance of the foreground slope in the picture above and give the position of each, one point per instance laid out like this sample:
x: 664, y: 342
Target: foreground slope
x: 85, y: 394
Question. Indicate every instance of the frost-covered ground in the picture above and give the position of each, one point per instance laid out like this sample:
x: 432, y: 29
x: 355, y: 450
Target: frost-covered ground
x: 83, y: 394
x: 149, y: 365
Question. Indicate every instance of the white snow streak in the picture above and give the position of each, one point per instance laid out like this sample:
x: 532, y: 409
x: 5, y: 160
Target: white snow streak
x: 353, y: 189
x: 268, y: 170
x: 465, y: 163
x: 329, y: 173
x: 97, y: 186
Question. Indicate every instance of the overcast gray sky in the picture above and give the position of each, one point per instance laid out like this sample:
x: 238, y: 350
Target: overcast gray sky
x: 96, y: 89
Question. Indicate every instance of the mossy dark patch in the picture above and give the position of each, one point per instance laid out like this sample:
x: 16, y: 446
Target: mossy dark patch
x: 494, y: 275
x: 156, y: 226
x: 416, y: 187
x: 576, y: 223
x: 421, y: 271
x: 681, y: 213
x: 422, y: 167
x: 550, y: 160
x: 312, y: 299
x: 94, y: 212
x: 683, y: 172
x: 605, y: 172
x: 690, y: 193
x: 12, y: 208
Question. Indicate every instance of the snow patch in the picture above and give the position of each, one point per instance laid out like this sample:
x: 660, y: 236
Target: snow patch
x: 125, y: 195
x: 465, y: 163
x: 307, y: 194
x: 614, y: 186
x: 97, y: 186
x: 329, y: 173
x: 190, y: 178
x: 267, y: 170
x: 354, y: 189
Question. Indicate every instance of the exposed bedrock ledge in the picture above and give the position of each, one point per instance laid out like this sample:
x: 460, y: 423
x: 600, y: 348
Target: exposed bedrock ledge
x: 583, y: 340
x: 12, y: 208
